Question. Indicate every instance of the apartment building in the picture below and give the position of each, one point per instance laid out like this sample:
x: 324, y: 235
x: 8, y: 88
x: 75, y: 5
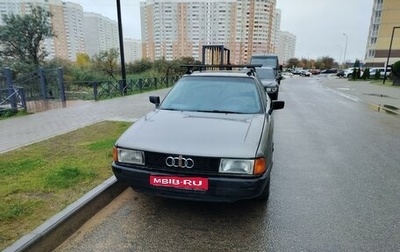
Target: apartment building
x: 132, y: 49
x: 287, y: 47
x: 385, y: 16
x: 101, y: 33
x: 76, y: 31
x: 66, y: 22
x: 277, y: 30
x: 176, y: 28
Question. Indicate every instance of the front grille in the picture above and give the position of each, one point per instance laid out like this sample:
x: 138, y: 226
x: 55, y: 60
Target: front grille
x: 202, y: 165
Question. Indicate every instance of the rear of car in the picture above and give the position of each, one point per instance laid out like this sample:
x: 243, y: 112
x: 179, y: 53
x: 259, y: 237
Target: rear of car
x: 210, y: 139
x: 268, y: 60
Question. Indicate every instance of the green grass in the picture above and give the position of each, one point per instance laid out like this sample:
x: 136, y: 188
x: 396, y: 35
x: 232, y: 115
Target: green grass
x: 4, y: 114
x: 39, y: 180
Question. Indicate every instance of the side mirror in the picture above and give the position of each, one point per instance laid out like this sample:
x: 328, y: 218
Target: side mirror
x: 155, y: 100
x: 280, y: 67
x: 276, y: 105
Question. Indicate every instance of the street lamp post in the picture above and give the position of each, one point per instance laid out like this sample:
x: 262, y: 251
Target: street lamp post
x: 390, y: 50
x: 340, y: 55
x: 345, y: 49
x: 121, y: 47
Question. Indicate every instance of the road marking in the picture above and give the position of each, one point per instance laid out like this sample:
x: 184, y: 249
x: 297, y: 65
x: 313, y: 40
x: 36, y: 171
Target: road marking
x: 350, y: 97
x: 353, y: 98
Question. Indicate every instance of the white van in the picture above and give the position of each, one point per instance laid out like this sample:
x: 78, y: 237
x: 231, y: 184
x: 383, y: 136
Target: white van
x: 372, y: 71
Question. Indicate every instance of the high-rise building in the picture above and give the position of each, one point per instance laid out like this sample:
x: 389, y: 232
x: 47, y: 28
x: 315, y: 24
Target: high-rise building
x: 385, y: 16
x: 255, y: 29
x: 132, y: 49
x: 287, y: 46
x: 66, y: 21
x: 277, y: 30
x: 175, y: 28
x: 74, y: 39
x: 101, y: 33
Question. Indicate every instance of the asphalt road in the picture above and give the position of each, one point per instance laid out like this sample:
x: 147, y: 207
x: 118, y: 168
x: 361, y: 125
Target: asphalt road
x: 335, y: 187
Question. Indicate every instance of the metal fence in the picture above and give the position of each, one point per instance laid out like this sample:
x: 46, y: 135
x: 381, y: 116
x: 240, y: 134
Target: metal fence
x: 98, y: 90
x: 45, y: 89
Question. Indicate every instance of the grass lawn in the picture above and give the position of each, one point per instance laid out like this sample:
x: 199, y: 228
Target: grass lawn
x: 39, y: 180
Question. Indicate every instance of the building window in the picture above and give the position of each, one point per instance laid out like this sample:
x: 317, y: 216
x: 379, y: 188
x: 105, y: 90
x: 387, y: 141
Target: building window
x: 371, y: 53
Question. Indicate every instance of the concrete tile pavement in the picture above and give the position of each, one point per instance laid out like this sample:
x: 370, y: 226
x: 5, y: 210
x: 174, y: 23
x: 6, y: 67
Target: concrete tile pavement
x: 25, y: 130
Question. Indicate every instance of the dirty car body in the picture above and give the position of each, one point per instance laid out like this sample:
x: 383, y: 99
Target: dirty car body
x: 210, y: 139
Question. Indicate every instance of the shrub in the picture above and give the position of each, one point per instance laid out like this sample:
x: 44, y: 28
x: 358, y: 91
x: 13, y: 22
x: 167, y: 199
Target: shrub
x: 377, y: 75
x: 396, y: 69
x: 365, y: 74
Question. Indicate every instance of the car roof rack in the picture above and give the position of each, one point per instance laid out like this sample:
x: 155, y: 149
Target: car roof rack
x: 202, y: 67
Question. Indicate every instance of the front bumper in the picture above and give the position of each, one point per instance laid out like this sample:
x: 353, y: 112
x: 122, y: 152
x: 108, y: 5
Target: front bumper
x: 220, y: 189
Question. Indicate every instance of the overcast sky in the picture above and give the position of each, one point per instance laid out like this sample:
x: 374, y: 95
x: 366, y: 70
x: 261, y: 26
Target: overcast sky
x: 319, y: 25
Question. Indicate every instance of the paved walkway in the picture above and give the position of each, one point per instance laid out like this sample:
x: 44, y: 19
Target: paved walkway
x: 24, y: 130
x: 21, y: 131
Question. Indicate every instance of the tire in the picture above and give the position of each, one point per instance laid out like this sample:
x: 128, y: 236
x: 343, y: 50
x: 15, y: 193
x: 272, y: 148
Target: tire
x: 265, y: 193
x: 350, y: 76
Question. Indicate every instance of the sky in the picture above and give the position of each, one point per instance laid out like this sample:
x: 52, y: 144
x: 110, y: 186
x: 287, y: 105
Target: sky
x: 319, y: 25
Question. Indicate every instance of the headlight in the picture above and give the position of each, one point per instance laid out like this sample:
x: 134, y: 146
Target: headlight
x: 128, y: 156
x: 243, y: 166
x: 271, y: 89
x: 236, y: 166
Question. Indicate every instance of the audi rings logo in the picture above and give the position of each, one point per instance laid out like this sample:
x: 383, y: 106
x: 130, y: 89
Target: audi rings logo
x: 179, y: 161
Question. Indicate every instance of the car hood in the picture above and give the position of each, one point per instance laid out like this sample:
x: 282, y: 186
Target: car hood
x: 269, y: 82
x: 194, y: 133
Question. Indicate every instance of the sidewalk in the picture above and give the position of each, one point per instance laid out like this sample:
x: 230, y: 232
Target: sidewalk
x: 383, y: 97
x: 25, y: 130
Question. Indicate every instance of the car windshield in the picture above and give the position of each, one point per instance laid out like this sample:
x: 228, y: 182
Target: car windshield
x: 265, y: 73
x: 214, y: 94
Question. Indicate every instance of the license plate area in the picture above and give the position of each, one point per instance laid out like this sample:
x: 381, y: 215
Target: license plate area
x: 185, y: 183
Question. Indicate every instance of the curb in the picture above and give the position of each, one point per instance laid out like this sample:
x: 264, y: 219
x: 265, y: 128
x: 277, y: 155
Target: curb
x: 385, y: 108
x: 58, y: 228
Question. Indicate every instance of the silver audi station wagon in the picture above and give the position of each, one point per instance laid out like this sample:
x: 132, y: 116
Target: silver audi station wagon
x: 210, y: 139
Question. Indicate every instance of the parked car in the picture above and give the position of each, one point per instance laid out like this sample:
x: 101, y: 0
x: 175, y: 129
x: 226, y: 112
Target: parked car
x: 269, y: 81
x: 381, y: 70
x: 315, y: 71
x: 210, y: 139
x: 348, y: 73
x: 305, y: 73
x: 268, y: 60
x: 329, y: 71
x: 340, y: 74
x: 296, y: 71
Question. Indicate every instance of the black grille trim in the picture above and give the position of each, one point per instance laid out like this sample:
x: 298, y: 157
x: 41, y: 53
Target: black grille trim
x: 202, y: 165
